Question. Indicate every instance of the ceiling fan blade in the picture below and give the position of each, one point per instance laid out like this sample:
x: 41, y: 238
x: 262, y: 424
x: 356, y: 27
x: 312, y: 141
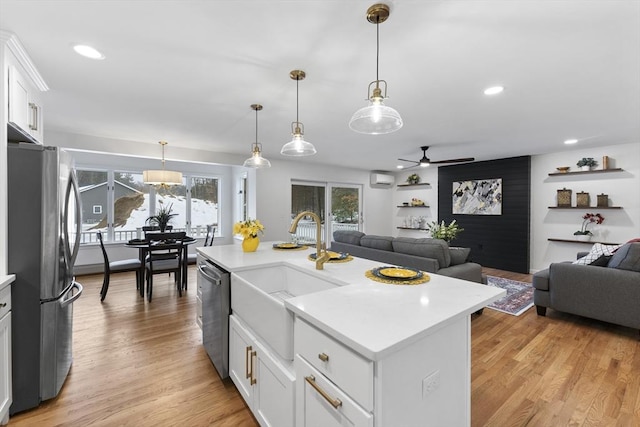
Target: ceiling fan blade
x: 466, y: 159
x: 410, y: 161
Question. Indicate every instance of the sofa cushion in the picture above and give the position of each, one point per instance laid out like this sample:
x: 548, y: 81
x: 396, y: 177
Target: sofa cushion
x: 351, y: 237
x: 459, y: 255
x: 372, y: 241
x: 626, y: 258
x: 596, y: 252
x: 429, y: 248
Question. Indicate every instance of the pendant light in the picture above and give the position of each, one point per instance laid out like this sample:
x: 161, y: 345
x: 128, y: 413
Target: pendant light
x: 376, y: 118
x: 297, y: 146
x: 256, y: 160
x: 162, y: 177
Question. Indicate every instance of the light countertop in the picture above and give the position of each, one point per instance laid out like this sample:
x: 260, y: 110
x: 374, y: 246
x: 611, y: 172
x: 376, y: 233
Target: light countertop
x: 372, y: 318
x: 6, y: 280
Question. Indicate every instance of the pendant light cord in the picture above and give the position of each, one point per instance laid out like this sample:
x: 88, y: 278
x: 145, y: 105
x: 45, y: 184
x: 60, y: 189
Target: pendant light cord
x: 297, y: 99
x: 256, y: 126
x: 377, y: 45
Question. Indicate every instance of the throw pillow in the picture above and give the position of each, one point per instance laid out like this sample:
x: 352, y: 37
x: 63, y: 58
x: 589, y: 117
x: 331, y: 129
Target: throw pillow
x: 602, y: 261
x: 459, y: 255
x: 596, y: 252
x: 626, y: 258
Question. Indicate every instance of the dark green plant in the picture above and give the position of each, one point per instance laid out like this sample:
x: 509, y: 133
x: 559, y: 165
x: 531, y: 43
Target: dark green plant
x: 162, y: 217
x: 587, y: 161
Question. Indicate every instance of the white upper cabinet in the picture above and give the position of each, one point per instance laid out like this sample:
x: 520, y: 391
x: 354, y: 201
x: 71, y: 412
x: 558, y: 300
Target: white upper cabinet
x: 25, y: 106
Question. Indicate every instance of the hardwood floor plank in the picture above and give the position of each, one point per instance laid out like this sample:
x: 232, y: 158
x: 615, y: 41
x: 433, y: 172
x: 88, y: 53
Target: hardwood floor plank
x: 143, y: 364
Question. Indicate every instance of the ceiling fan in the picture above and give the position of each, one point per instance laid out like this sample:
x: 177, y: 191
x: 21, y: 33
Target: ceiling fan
x: 425, y: 161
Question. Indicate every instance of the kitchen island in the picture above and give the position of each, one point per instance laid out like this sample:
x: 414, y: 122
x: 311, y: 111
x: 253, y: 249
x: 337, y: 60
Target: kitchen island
x: 371, y: 353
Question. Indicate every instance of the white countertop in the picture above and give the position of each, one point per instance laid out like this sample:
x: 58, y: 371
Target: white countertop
x: 374, y: 319
x: 6, y: 280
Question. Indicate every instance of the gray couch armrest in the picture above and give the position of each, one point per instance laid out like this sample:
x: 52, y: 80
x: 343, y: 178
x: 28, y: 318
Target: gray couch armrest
x: 388, y: 257
x: 468, y: 271
x: 602, y: 293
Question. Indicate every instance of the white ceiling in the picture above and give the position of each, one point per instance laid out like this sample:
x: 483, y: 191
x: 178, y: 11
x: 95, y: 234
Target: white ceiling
x: 188, y: 71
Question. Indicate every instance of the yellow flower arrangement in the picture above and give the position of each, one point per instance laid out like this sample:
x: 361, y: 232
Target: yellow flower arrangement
x: 248, y: 228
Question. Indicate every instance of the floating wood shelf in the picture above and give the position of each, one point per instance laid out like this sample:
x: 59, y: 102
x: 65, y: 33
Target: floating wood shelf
x: 409, y: 228
x: 585, y: 207
x: 581, y: 241
x: 414, y: 185
x: 410, y: 206
x: 585, y: 172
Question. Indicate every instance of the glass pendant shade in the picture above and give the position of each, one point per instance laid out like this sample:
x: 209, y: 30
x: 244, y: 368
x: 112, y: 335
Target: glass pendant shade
x: 298, y: 147
x: 256, y: 160
x: 375, y: 119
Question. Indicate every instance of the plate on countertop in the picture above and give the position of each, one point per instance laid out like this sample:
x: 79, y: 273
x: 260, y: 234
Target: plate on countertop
x: 397, y: 273
x: 288, y: 245
x: 333, y: 256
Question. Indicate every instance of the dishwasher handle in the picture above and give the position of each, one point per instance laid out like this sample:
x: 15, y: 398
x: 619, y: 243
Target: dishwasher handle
x: 213, y: 276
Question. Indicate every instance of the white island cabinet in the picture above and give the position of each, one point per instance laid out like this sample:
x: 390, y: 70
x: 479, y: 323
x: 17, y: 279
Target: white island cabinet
x: 364, y: 353
x: 5, y: 347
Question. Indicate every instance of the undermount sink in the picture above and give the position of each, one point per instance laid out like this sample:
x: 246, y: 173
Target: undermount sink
x: 257, y: 297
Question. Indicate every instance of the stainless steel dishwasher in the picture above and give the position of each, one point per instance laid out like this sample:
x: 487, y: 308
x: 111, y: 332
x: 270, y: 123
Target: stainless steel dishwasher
x: 214, y: 283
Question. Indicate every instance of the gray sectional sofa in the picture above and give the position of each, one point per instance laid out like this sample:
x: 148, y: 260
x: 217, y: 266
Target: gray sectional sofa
x: 430, y: 255
x: 607, y: 289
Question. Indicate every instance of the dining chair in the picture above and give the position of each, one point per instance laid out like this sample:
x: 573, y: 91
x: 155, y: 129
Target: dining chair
x: 208, y: 241
x: 131, y: 264
x: 165, y: 255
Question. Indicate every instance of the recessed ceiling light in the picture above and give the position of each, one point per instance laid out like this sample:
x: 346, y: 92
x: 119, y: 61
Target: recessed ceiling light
x: 88, y: 51
x: 400, y: 167
x: 571, y: 141
x: 494, y: 90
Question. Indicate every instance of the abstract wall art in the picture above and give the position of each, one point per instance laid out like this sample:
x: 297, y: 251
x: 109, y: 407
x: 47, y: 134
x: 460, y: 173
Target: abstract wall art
x: 478, y: 197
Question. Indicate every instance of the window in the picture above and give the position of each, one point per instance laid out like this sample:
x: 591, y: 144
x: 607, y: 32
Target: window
x: 128, y: 202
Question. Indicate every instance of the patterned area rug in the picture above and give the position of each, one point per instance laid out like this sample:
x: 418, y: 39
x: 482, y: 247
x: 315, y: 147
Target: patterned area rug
x: 519, y: 296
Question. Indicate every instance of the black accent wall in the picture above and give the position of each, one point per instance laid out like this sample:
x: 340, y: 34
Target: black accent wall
x: 498, y: 241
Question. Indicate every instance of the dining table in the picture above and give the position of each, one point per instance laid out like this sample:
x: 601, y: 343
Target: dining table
x: 143, y: 246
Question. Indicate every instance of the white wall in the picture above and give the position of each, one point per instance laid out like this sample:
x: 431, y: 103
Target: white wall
x: 623, y: 189
x: 274, y: 195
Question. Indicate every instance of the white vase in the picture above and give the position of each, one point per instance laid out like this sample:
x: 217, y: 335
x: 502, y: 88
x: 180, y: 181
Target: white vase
x: 582, y: 237
x: 585, y: 168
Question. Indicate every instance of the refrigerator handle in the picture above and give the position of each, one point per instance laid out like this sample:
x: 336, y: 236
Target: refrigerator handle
x: 66, y: 301
x: 73, y: 186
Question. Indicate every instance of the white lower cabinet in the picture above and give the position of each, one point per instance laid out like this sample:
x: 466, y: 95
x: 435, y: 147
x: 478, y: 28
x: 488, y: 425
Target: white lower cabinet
x: 321, y: 404
x: 266, y: 384
x: 5, y: 354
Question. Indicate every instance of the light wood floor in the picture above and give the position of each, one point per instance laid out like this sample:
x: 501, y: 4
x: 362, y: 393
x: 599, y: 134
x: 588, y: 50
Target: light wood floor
x: 141, y: 364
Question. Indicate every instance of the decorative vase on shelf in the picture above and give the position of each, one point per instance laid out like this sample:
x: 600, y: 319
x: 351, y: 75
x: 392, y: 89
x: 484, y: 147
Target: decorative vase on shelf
x: 585, y: 168
x: 250, y: 244
x: 583, y: 237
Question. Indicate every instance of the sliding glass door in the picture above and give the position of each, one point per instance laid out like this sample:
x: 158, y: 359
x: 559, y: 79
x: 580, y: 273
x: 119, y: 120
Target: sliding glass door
x: 339, y: 207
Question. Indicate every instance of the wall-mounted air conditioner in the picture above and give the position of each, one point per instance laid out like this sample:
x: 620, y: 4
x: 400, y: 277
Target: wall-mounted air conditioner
x: 381, y: 179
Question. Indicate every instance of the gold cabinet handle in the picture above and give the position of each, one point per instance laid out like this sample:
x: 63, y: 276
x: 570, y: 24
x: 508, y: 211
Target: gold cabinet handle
x: 324, y: 357
x: 253, y: 379
x: 246, y: 362
x: 336, y: 403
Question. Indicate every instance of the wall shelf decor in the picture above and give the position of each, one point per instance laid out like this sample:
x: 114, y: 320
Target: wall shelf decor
x: 585, y: 207
x: 414, y: 185
x: 412, y: 206
x: 409, y: 228
x: 585, y: 172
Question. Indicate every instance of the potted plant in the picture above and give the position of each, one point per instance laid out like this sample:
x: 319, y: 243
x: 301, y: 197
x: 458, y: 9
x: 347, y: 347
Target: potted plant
x: 444, y: 232
x: 414, y: 178
x: 586, y: 163
x: 162, y: 217
x: 588, y: 218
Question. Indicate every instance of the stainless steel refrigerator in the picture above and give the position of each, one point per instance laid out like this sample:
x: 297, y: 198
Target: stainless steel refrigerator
x: 43, y: 239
